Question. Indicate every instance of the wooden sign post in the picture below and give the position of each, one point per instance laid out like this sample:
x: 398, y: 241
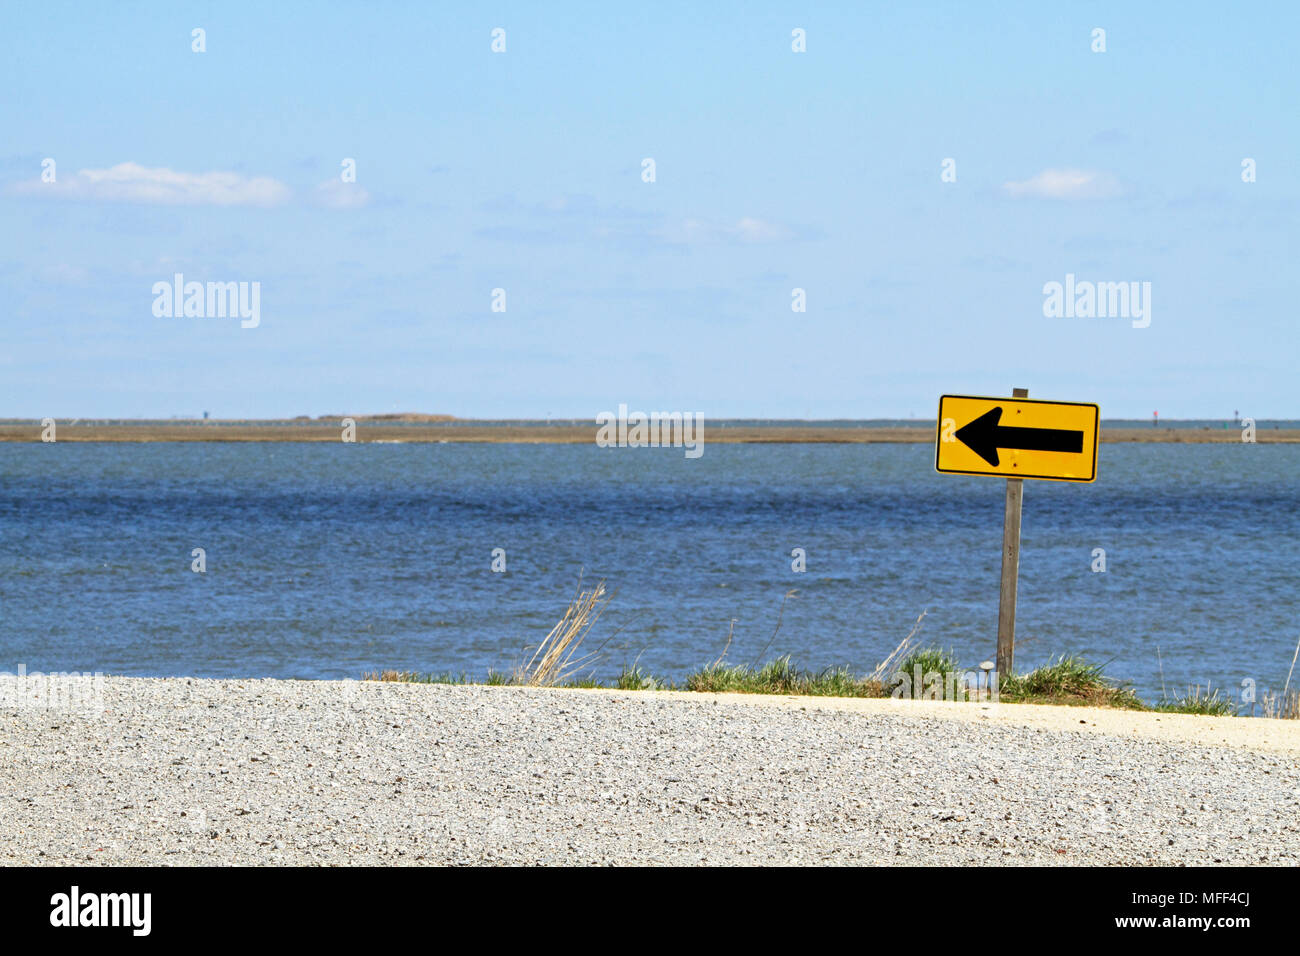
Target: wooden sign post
x: 1010, y: 568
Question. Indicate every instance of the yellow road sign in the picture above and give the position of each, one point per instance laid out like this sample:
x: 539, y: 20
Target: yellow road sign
x: 1017, y: 438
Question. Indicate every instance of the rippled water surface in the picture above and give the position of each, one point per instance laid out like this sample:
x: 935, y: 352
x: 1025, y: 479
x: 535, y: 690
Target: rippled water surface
x: 332, y: 560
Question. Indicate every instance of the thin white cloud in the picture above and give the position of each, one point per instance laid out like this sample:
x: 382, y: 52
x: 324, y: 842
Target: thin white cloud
x: 747, y: 229
x: 336, y: 194
x: 61, y: 274
x: 1064, y: 184
x: 133, y: 183
x: 759, y: 230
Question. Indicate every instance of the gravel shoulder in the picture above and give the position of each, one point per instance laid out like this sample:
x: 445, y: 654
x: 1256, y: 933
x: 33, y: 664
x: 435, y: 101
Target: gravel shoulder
x: 263, y: 772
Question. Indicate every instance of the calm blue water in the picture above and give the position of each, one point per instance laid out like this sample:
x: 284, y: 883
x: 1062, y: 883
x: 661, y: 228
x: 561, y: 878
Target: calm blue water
x: 332, y: 560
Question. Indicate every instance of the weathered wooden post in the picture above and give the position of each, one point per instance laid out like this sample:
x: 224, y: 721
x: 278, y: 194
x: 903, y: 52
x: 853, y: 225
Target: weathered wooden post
x: 1010, y: 568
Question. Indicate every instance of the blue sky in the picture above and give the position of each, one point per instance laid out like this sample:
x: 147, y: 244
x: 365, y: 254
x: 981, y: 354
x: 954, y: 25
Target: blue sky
x: 522, y: 170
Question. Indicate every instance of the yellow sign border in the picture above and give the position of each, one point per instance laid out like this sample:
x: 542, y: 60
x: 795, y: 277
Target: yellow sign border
x: 1096, y: 438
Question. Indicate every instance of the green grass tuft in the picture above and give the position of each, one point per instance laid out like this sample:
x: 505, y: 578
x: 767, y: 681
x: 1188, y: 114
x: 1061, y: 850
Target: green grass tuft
x: 417, y: 677
x: 634, y: 678
x: 931, y: 660
x: 1210, y: 703
x: 1071, y: 680
x: 781, y: 677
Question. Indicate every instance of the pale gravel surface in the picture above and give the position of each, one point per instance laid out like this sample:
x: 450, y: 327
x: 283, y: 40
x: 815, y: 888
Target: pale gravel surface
x: 184, y: 771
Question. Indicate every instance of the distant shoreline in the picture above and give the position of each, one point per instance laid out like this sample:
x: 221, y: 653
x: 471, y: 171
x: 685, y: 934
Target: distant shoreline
x: 566, y: 432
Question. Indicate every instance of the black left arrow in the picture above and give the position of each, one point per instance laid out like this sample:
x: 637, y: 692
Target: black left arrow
x: 985, y: 436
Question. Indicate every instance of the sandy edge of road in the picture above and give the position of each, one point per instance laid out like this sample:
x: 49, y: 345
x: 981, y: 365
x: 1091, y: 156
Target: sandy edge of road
x: 1254, y: 733
x: 1251, y: 733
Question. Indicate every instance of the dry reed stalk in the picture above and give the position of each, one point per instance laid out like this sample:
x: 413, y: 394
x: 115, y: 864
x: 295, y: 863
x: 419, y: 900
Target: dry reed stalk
x: 882, y: 670
x: 553, y: 662
x: 723, y: 656
x: 1287, y: 686
x: 1284, y: 706
x: 793, y: 592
